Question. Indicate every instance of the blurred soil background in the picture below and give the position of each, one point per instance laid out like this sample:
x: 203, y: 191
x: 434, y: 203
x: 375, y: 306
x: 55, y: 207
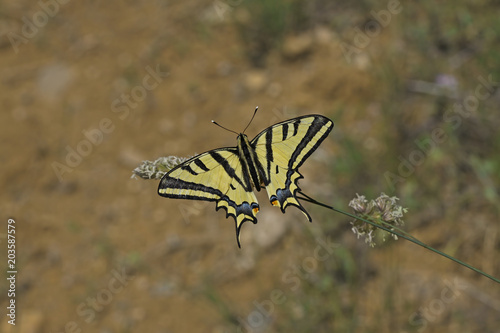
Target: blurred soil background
x: 406, y: 84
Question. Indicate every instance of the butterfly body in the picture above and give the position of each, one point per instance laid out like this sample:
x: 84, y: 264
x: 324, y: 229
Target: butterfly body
x: 252, y: 168
x: 229, y: 175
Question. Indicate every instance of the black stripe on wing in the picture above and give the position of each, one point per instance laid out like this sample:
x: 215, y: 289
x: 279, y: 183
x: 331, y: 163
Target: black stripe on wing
x: 245, y: 183
x: 314, y: 128
x: 269, y: 154
x: 284, y: 130
x: 173, y: 183
x: 189, y: 169
x: 296, y: 124
x: 201, y: 165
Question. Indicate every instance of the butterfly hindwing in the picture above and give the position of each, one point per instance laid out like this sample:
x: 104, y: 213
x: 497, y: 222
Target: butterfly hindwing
x: 216, y: 175
x: 281, y: 150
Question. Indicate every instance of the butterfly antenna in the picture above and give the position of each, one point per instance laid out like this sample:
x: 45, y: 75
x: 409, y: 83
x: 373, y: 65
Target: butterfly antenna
x: 227, y: 129
x: 251, y: 119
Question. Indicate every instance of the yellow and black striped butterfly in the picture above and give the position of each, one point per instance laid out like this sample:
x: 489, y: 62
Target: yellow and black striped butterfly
x: 228, y: 175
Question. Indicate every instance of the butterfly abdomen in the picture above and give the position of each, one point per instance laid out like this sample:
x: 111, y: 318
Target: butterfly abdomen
x: 249, y: 160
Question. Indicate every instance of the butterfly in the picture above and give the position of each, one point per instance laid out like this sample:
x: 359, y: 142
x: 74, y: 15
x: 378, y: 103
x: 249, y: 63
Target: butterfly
x: 229, y: 175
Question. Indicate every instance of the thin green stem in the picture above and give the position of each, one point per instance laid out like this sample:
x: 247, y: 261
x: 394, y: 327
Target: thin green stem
x: 399, y: 233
